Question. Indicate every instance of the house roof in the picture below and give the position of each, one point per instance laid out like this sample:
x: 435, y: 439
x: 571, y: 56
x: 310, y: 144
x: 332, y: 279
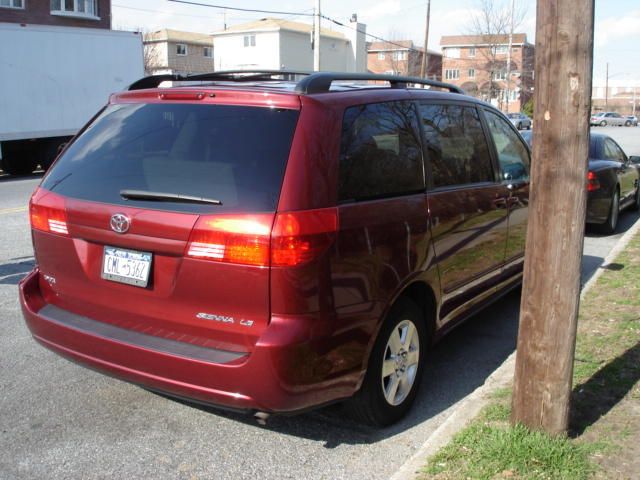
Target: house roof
x: 167, y: 35
x: 394, y: 45
x: 471, y: 40
x: 274, y: 24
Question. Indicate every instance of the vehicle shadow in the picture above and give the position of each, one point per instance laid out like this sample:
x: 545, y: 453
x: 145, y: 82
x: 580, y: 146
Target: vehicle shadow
x: 626, y: 220
x: 15, y: 269
x: 600, y: 393
x: 456, y: 366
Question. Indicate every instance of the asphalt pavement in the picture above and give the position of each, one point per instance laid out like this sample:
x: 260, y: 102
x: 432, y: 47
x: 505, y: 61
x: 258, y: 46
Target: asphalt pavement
x: 62, y: 421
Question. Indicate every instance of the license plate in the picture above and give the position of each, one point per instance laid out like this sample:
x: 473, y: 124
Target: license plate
x: 126, y: 266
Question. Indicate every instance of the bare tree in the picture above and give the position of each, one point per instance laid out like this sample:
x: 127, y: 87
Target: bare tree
x: 491, y: 23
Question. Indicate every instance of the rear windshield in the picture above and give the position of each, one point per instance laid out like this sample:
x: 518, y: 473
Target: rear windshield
x: 234, y: 154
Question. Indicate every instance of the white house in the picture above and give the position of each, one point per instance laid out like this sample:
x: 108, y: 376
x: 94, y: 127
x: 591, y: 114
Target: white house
x: 275, y: 44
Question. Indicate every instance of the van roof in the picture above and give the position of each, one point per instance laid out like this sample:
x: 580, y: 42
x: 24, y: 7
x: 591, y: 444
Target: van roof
x: 300, y: 83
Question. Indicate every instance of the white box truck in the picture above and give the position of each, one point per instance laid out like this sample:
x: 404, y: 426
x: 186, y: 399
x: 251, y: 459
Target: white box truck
x: 52, y: 81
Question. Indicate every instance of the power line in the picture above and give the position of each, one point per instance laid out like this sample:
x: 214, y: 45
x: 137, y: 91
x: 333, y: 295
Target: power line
x: 253, y: 10
x: 300, y: 14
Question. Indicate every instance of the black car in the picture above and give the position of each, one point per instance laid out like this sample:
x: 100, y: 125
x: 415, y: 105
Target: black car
x: 613, y: 181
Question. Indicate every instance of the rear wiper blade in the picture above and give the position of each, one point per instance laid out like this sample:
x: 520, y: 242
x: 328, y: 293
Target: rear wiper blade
x: 165, y: 197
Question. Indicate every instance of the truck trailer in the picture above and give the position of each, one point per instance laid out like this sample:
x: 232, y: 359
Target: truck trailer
x: 54, y: 79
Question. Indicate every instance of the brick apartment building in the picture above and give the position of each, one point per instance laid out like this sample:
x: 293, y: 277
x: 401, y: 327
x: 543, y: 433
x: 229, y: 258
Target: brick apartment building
x: 174, y: 51
x: 402, y: 57
x: 62, y: 13
x: 478, y: 64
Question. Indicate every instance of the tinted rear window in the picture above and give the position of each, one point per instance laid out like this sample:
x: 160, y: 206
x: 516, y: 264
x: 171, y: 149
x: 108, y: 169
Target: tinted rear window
x: 234, y: 154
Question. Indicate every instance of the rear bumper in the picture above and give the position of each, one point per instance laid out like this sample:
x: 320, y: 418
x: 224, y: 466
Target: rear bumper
x: 286, y: 371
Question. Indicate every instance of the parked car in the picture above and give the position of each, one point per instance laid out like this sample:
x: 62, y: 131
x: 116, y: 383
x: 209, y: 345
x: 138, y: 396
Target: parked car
x: 633, y: 119
x: 602, y: 119
x: 613, y: 181
x: 520, y: 120
x: 273, y: 245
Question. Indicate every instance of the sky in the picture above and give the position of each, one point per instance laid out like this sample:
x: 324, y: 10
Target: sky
x: 617, y: 24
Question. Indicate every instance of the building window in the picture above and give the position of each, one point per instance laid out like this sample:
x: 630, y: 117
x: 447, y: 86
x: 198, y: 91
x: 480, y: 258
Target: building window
x: 500, y: 49
x: 451, y: 74
x: 12, y: 3
x: 249, y: 40
x: 452, y: 52
x: 402, y: 55
x: 472, y: 73
x: 83, y: 8
x: 499, y: 75
x: 472, y: 51
x: 181, y: 49
x: 380, y: 55
x: 208, y: 52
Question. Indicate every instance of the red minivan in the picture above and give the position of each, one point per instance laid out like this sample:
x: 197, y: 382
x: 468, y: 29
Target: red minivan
x: 269, y: 245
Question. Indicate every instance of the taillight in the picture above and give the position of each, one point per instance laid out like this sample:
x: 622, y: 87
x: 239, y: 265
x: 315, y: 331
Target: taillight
x: 242, y: 239
x: 593, y: 183
x: 47, y: 213
x: 299, y: 237
x: 296, y: 238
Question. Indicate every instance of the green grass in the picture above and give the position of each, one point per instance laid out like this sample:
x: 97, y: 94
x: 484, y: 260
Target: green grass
x: 607, y: 366
x: 490, y: 451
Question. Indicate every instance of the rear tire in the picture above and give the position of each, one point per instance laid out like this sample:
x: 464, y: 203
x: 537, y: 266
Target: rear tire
x: 603, y: 123
x: 609, y: 227
x: 14, y: 165
x: 635, y: 206
x: 395, y: 368
x: 519, y: 127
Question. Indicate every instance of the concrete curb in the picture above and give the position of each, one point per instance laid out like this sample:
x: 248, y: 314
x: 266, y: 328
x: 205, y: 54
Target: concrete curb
x: 469, y: 407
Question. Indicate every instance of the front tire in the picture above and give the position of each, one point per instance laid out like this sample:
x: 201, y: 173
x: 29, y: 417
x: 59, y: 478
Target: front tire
x: 395, y: 367
x: 627, y: 123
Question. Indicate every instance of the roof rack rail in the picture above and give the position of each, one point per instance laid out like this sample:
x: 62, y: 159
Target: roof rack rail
x: 154, y: 81
x: 321, y: 81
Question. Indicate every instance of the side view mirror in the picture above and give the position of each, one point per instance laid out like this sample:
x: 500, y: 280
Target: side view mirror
x: 635, y: 159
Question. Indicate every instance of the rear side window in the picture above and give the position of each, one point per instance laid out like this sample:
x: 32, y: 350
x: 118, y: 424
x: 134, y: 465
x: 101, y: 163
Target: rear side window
x: 234, y: 154
x: 380, y: 152
x: 455, y: 145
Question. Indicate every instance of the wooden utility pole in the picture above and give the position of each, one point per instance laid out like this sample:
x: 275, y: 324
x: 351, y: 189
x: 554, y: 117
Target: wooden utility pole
x: 551, y: 288
x: 606, y: 89
x: 316, y: 36
x: 509, y: 53
x: 425, y: 57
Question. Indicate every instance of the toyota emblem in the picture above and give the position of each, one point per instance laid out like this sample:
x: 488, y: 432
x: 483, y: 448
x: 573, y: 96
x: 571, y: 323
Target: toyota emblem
x: 120, y: 223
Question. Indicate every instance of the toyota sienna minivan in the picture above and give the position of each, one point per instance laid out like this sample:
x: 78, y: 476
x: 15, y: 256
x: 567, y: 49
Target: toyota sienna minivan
x: 270, y: 242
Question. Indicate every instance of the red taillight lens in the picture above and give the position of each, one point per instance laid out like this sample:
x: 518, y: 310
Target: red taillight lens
x: 593, y: 183
x: 299, y: 237
x: 47, y: 213
x: 242, y: 239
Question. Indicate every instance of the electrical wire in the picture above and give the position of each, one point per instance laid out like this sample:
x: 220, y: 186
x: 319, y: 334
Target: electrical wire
x: 253, y: 10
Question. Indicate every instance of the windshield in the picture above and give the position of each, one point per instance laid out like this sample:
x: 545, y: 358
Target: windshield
x: 235, y: 154
x: 513, y: 115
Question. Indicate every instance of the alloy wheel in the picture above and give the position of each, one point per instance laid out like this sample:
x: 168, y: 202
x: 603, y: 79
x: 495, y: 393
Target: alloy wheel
x: 400, y: 362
